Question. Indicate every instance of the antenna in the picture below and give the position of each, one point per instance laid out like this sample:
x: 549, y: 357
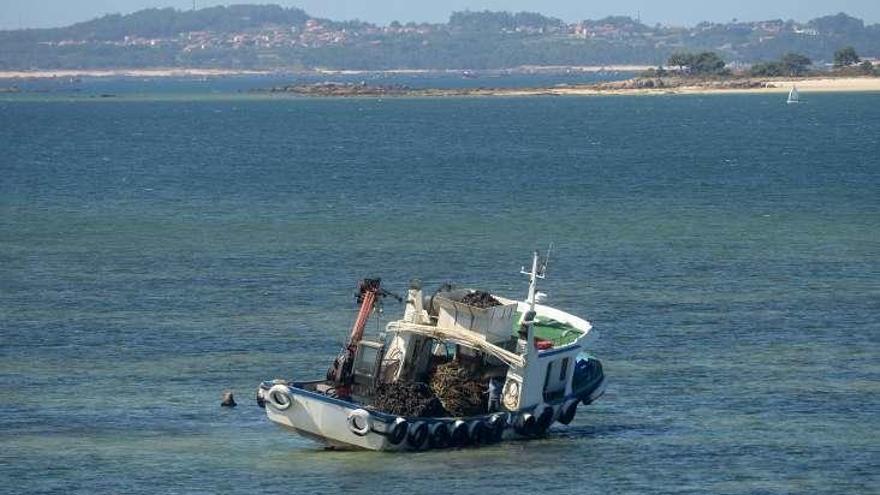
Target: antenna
x: 546, y: 260
x: 194, y: 5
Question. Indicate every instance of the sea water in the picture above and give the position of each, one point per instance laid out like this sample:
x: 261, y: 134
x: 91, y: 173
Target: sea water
x: 155, y: 252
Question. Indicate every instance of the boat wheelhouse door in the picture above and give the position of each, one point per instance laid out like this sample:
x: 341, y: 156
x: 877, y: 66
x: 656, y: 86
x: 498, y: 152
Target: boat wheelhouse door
x: 366, y: 367
x: 556, y: 378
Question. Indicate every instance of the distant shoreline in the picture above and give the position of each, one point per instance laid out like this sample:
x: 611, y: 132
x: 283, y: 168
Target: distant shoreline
x: 634, y: 86
x: 195, y: 72
x: 139, y: 73
x: 748, y: 86
x: 640, y: 85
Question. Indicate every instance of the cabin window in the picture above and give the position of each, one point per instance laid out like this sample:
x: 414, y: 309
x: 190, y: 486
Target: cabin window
x: 366, y: 359
x: 564, y: 371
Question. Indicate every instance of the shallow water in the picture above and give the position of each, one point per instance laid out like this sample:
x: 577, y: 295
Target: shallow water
x: 154, y: 253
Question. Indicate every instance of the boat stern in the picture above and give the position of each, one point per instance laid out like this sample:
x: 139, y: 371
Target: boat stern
x: 334, y: 422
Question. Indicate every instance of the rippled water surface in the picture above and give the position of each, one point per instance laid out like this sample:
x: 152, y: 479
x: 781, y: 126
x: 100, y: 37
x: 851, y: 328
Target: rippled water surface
x: 154, y: 253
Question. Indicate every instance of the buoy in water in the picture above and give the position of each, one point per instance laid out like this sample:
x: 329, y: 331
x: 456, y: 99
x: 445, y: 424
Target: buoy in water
x: 228, y: 400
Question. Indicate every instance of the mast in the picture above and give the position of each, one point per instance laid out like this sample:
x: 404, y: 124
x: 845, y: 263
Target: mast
x: 533, y: 281
x: 535, y: 274
x: 525, y: 344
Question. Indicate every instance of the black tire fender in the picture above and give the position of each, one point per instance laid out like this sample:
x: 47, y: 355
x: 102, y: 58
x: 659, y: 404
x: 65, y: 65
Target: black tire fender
x: 417, y: 434
x: 396, y: 431
x: 439, y: 436
x: 568, y: 411
x: 497, y: 424
x: 459, y: 434
x: 478, y: 432
x: 545, y: 415
x: 525, y: 424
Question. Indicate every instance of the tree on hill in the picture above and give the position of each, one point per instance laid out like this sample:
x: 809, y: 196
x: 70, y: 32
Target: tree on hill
x: 700, y: 64
x: 493, y: 22
x: 618, y: 21
x: 767, y: 69
x: 707, y: 63
x: 845, y: 57
x: 680, y: 60
x: 795, y: 64
x: 535, y: 20
x: 791, y: 64
x: 170, y: 22
x: 837, y: 24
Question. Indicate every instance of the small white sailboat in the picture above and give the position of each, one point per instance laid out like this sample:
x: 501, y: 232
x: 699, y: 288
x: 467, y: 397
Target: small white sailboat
x: 793, y: 96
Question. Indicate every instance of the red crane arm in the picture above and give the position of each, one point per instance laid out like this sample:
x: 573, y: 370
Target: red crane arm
x: 357, y: 331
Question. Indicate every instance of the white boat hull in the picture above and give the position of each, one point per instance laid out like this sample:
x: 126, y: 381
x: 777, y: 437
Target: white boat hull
x: 328, y: 421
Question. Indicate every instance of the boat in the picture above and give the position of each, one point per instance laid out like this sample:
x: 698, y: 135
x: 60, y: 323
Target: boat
x: 524, y: 364
x: 793, y: 96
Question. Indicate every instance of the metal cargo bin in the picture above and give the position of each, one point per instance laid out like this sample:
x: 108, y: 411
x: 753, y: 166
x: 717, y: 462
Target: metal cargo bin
x: 495, y: 323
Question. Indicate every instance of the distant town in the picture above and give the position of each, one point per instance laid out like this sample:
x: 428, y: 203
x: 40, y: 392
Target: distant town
x: 315, y: 34
x: 273, y: 37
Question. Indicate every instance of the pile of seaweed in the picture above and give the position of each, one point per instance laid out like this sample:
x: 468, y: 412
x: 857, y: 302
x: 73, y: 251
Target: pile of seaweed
x: 407, y: 399
x: 459, y: 391
x: 480, y: 299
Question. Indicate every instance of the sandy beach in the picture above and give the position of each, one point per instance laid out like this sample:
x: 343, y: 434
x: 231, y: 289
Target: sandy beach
x: 866, y: 83
x: 816, y: 85
x: 783, y: 85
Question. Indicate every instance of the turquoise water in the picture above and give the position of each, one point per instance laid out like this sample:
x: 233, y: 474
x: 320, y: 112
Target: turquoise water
x: 154, y: 253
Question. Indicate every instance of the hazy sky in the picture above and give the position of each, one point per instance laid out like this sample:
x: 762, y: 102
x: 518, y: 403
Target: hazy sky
x: 46, y: 13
